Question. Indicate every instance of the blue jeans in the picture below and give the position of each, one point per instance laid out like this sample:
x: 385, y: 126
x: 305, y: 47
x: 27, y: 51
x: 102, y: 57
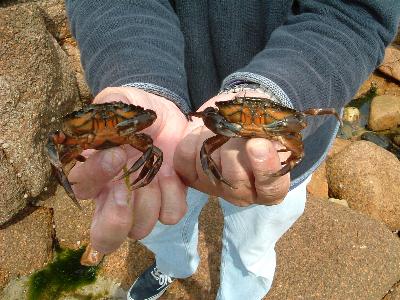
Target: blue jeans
x: 248, y: 258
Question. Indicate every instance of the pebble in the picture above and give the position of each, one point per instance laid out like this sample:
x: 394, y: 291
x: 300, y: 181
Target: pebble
x: 351, y: 114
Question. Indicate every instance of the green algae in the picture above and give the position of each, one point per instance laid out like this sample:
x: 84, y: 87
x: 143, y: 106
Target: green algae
x: 64, y: 274
x: 365, y: 97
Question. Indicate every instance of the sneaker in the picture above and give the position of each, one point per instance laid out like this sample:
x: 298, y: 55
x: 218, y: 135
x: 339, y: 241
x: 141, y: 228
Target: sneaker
x: 150, y: 285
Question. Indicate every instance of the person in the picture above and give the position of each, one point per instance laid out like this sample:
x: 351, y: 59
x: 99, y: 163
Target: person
x: 180, y: 56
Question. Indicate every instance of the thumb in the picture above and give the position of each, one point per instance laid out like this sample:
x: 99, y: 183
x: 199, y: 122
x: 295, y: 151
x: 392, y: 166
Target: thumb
x: 265, y: 161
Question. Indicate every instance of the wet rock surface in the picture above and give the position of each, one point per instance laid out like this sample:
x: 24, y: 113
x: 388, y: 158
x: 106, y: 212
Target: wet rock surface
x: 366, y: 176
x: 37, y: 88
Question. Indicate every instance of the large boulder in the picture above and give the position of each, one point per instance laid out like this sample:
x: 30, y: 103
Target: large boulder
x: 367, y: 176
x: 37, y: 87
x: 333, y: 252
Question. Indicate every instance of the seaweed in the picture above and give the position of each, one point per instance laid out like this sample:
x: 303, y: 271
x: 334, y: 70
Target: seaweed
x: 64, y: 274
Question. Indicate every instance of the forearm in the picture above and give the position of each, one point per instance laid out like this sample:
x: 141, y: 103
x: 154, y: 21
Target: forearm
x: 323, y: 53
x: 131, y: 42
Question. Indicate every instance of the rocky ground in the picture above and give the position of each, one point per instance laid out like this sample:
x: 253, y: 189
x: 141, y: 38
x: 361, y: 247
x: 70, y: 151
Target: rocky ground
x: 345, y: 246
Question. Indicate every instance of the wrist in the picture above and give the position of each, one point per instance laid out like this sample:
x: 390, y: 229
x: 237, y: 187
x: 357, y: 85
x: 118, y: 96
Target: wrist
x: 266, y: 85
x: 243, y: 87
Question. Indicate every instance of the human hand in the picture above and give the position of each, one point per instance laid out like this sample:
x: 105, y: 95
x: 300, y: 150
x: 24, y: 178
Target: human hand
x: 246, y: 163
x: 120, y: 212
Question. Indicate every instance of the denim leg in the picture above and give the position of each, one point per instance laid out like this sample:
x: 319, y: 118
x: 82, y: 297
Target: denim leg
x: 175, y: 246
x: 248, y: 256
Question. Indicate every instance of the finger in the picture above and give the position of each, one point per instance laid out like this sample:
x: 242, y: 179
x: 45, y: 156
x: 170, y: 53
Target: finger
x: 173, y: 196
x: 113, y: 94
x: 90, y: 177
x: 146, y: 210
x: 265, y: 161
x: 113, y: 217
x: 234, y: 163
x: 185, y: 157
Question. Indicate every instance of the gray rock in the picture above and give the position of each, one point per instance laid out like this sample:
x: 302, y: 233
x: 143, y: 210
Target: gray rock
x: 37, y: 87
x: 332, y: 252
x: 367, y: 176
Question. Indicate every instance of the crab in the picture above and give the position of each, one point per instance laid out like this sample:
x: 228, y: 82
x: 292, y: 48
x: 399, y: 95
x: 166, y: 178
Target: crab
x: 251, y: 117
x: 102, y: 126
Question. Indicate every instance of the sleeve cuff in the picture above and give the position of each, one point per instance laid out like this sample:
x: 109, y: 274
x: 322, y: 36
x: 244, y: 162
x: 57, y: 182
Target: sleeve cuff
x: 163, y: 92
x: 244, y: 77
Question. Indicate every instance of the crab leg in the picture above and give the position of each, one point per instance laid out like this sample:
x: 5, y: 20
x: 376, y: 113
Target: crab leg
x: 208, y: 164
x: 147, y: 155
x: 293, y: 144
x: 144, y: 143
x: 323, y: 111
x: 52, y: 153
x: 149, y: 170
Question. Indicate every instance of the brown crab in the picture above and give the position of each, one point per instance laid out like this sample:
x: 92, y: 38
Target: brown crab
x: 251, y: 117
x: 102, y: 126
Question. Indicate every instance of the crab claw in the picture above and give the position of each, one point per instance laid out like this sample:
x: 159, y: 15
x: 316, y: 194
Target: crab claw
x: 52, y: 153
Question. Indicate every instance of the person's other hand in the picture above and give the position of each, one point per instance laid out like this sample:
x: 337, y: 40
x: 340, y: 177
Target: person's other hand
x: 119, y: 212
x: 246, y: 163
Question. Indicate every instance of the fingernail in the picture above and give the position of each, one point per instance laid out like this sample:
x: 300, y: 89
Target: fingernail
x: 91, y: 257
x: 113, y: 160
x: 120, y: 194
x: 259, y: 150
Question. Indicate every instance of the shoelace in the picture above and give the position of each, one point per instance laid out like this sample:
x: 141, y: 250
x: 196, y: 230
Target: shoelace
x: 162, y: 279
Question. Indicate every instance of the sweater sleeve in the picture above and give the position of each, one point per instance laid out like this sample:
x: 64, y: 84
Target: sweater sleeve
x: 135, y: 43
x: 324, y: 51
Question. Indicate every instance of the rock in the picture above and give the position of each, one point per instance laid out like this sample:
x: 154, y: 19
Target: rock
x: 11, y: 188
x: 55, y: 18
x: 390, y: 65
x: 26, y: 246
x: 70, y: 47
x: 382, y: 141
x: 351, y: 114
x: 396, y: 140
x: 397, y: 38
x: 318, y: 186
x: 370, y: 185
x: 37, y: 87
x: 339, y: 201
x: 338, y: 146
x: 394, y: 293
x: 332, y: 252
x: 72, y: 225
x: 101, y: 289
x: 385, y: 113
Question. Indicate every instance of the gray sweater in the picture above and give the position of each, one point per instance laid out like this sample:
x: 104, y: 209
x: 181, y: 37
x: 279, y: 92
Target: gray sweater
x: 308, y: 53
